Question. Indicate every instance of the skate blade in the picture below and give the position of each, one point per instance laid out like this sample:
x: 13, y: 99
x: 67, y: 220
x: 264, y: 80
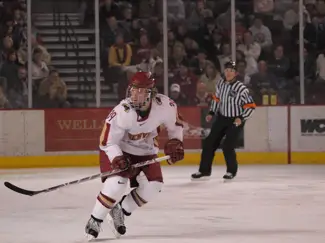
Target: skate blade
x: 228, y: 180
x: 112, y: 227
x: 90, y: 238
x: 204, y: 178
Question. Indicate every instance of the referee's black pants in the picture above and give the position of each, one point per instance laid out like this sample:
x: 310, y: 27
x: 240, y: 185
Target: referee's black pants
x: 223, y: 126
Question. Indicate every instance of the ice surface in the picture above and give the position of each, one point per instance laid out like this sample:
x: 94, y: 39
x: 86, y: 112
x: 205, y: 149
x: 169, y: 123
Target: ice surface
x: 266, y: 204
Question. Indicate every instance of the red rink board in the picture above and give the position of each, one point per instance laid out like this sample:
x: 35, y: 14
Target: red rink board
x: 79, y: 129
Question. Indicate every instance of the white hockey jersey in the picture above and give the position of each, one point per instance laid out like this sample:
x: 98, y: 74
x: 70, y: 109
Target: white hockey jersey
x: 125, y: 131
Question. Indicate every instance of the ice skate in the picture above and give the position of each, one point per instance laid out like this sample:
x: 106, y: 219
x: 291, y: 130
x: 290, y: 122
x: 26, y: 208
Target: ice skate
x: 93, y: 228
x: 116, y: 220
x: 200, y: 176
x: 228, y: 177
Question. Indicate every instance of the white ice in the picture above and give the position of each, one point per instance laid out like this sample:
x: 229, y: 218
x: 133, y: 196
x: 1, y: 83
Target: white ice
x: 265, y: 204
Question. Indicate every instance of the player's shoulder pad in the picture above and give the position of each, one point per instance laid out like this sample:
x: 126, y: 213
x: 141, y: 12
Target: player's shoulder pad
x: 124, y: 114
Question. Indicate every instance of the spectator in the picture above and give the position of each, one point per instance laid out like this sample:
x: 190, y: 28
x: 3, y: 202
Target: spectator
x: 279, y: 65
x: 262, y: 82
x: 309, y: 33
x: 120, y: 55
x: 225, y: 56
x: 241, y: 69
x: 240, y: 31
x: 53, y: 99
x: 202, y: 98
x: 191, y: 47
x: 9, y: 69
x: 261, y: 33
x: 16, y: 15
x: 197, y: 15
x: 210, y: 78
x: 291, y: 17
x: 177, y: 96
x: 142, y: 51
x: 148, y: 65
x: 108, y: 8
x: 126, y: 24
x: 4, y: 103
x: 216, y: 49
x: 108, y: 31
x: 320, y: 68
x: 251, y: 63
x: 178, y: 56
x: 175, y: 10
x: 149, y: 9
x: 172, y: 43
x: 7, y: 45
x: 199, y: 63
x: 39, y: 67
x: 18, y: 93
x: 205, y: 33
x: 250, y: 48
x: 224, y: 20
x: 53, y: 80
x: 22, y: 52
x: 320, y: 31
x: 155, y: 31
x: 181, y: 32
x: 309, y: 68
x: 187, y: 81
x: 320, y: 6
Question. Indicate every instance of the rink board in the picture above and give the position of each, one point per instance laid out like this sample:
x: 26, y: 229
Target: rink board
x: 190, y: 159
x: 68, y: 137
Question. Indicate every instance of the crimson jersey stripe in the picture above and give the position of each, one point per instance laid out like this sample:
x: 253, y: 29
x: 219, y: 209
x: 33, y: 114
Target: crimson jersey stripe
x: 104, y: 134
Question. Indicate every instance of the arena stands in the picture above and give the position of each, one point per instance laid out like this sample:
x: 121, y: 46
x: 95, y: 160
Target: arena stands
x: 131, y: 38
x: 199, y: 44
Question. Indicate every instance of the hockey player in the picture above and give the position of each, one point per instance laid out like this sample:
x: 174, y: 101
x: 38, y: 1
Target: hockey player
x: 130, y: 136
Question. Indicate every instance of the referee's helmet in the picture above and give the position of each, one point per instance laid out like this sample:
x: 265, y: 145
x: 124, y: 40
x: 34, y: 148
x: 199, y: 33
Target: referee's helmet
x: 231, y: 65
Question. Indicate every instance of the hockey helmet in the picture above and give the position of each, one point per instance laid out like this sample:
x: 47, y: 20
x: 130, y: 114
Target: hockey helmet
x: 141, y: 89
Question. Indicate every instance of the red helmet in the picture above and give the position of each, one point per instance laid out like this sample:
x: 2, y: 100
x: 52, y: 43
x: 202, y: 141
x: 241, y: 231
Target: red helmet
x: 141, y: 89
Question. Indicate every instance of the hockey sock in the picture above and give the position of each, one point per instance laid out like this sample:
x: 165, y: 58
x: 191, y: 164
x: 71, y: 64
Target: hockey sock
x: 112, y: 191
x: 103, y: 205
x: 131, y: 202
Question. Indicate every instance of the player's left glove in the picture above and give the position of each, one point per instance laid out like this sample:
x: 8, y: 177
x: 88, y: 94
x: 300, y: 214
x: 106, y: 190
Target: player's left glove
x: 175, y: 149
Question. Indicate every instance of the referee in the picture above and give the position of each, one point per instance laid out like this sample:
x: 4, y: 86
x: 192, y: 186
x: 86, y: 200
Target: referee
x: 234, y: 106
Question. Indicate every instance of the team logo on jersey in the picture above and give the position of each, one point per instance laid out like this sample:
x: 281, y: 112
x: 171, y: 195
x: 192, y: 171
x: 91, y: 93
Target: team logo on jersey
x: 126, y: 107
x: 232, y: 93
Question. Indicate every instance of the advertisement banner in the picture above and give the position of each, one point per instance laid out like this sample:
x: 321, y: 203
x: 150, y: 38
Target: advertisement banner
x: 73, y: 129
x: 308, y: 128
x: 79, y: 129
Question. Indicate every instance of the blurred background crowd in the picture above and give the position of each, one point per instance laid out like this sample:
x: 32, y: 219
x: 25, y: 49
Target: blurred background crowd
x: 199, y: 43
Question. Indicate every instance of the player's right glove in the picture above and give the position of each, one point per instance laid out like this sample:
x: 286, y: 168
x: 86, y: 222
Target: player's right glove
x: 175, y: 149
x: 121, y: 162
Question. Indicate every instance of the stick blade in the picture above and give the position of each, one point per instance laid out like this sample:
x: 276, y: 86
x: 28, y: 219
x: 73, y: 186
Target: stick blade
x: 19, y: 190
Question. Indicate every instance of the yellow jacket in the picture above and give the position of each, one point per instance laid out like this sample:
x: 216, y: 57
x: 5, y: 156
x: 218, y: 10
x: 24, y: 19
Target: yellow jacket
x: 117, y: 57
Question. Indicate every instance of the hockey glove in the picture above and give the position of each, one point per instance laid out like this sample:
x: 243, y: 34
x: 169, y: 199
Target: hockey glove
x: 175, y: 149
x: 121, y: 162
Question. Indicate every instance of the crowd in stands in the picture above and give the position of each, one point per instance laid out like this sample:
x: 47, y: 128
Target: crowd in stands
x: 48, y: 89
x: 267, y: 51
x: 199, y: 43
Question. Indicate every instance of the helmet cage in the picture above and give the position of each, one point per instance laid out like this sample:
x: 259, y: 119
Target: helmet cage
x: 138, y: 97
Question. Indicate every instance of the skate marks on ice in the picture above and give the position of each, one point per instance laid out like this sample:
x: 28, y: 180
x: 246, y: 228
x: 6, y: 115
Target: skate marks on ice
x: 265, y: 204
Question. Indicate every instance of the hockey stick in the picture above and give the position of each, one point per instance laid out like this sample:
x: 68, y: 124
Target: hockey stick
x: 88, y: 178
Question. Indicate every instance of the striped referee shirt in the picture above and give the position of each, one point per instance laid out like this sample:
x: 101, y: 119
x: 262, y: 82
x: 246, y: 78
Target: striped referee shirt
x: 232, y: 100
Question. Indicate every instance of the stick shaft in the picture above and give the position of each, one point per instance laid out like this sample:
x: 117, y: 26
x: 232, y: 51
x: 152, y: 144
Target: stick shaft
x: 105, y: 174
x: 88, y: 178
